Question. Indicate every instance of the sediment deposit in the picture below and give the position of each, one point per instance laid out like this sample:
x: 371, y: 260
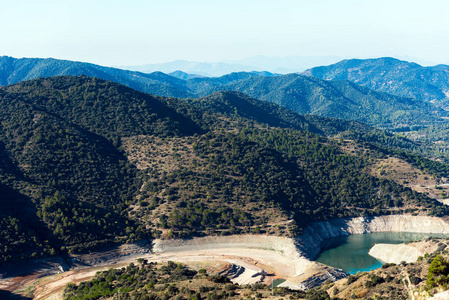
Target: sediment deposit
x: 389, y: 253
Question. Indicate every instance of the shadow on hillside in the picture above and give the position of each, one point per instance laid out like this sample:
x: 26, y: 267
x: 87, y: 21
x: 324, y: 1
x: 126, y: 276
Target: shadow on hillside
x: 5, y: 295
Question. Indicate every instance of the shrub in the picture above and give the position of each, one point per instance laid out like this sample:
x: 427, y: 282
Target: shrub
x: 438, y: 271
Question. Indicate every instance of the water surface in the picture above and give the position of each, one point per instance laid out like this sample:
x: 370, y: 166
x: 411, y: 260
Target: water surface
x: 350, y: 253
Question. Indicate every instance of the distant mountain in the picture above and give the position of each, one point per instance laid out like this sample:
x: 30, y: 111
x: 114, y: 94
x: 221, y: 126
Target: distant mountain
x: 392, y: 76
x: 200, y: 68
x: 280, y: 65
x: 183, y: 75
x: 302, y: 94
x: 13, y: 70
x: 265, y: 73
x: 287, y: 64
x: 338, y: 99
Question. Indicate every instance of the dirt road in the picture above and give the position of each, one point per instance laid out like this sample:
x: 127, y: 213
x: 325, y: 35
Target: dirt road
x: 277, y: 256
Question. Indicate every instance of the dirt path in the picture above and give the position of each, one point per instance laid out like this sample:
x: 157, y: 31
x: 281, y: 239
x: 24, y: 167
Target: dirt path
x: 51, y: 287
x: 277, y: 256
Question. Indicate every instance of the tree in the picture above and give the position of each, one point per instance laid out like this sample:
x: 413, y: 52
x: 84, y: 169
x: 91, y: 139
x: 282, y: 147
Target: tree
x: 438, y: 271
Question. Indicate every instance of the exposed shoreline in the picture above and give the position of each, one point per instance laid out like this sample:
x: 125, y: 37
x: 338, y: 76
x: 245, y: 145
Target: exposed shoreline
x: 302, y: 250
x: 309, y: 243
x: 290, y: 258
x: 389, y: 253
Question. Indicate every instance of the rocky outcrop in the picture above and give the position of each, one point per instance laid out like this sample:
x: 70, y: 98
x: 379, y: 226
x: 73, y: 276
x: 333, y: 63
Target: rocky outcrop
x: 440, y: 296
x: 319, y: 278
x: 309, y: 243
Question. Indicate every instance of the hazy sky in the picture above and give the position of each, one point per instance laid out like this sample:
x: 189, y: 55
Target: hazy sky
x: 133, y: 32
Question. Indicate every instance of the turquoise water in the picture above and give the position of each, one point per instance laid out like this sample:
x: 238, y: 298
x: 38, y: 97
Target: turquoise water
x: 350, y: 253
x: 278, y: 281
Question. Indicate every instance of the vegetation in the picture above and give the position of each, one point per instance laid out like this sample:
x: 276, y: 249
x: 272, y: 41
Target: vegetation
x: 390, y: 75
x: 59, y: 145
x: 13, y: 70
x: 167, y: 281
x: 301, y: 94
x: 438, y: 271
x: 426, y: 276
x: 87, y: 162
x: 392, y: 281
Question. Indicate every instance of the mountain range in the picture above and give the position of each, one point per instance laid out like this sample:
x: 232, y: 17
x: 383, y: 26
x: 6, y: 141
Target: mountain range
x: 86, y: 162
x: 302, y: 94
x: 282, y: 65
x: 103, y: 156
x: 392, y: 76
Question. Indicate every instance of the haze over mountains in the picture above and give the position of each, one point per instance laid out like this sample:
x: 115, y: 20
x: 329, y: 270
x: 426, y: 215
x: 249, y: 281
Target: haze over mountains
x: 282, y: 65
x: 302, y: 94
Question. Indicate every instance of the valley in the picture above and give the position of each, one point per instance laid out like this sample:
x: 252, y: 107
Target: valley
x: 224, y: 150
x: 97, y: 175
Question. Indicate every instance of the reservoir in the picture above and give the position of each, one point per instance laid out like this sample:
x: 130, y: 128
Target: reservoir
x: 350, y: 252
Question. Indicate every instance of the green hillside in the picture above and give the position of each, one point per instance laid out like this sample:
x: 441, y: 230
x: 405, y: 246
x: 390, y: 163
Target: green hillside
x: 390, y: 75
x: 87, y: 162
x: 338, y: 99
x: 13, y: 70
x: 60, y: 141
x: 302, y: 94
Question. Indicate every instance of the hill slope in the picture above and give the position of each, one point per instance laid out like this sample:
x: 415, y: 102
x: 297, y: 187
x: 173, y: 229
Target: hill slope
x: 13, y: 70
x: 65, y: 182
x: 87, y: 162
x: 391, y: 76
x: 302, y: 94
x: 338, y: 99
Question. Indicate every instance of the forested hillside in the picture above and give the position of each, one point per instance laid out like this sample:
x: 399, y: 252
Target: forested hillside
x: 338, y: 99
x: 302, y: 94
x: 87, y: 162
x: 392, y: 76
x: 13, y: 70
x: 62, y: 165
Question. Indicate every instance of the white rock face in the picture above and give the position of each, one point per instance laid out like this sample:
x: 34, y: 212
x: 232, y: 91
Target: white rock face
x: 389, y: 253
x: 440, y: 296
x: 309, y: 243
x: 281, y: 245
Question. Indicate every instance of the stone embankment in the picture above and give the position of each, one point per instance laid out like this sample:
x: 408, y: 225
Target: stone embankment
x: 309, y: 243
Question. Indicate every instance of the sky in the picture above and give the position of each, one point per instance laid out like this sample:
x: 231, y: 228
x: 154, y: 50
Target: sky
x: 136, y: 32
